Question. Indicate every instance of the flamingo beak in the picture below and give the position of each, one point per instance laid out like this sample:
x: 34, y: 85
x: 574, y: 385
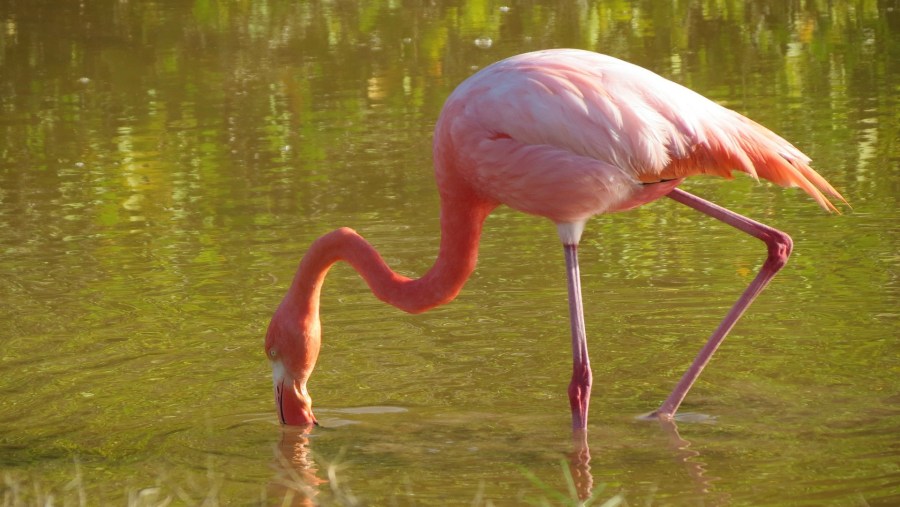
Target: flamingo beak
x: 291, y: 399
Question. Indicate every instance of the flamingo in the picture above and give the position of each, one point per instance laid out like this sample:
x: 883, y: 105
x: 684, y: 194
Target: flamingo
x: 564, y: 134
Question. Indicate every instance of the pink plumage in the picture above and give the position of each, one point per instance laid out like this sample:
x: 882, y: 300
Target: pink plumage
x: 567, y: 135
x: 589, y: 126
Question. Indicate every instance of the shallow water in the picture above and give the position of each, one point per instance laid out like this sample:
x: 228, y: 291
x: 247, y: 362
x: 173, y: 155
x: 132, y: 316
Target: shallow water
x: 164, y: 165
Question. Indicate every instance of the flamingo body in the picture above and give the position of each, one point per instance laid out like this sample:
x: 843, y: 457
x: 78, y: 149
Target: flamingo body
x: 565, y: 134
x: 535, y: 127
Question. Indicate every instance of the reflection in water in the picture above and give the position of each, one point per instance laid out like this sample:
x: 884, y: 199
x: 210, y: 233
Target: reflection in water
x: 297, y: 478
x: 580, y: 464
x: 688, y: 457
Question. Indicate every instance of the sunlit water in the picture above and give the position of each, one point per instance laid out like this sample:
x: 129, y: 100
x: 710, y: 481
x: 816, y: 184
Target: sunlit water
x: 163, y: 168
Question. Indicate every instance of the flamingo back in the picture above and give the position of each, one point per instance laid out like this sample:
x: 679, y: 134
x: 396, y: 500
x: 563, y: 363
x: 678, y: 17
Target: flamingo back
x: 530, y: 128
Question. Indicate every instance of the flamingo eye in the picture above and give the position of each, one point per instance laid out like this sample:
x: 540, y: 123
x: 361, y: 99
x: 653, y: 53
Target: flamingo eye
x: 273, y: 353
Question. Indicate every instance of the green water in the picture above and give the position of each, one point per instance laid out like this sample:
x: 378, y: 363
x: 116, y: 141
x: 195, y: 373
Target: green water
x: 164, y: 165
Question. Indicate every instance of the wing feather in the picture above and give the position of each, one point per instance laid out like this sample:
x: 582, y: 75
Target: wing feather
x: 598, y: 107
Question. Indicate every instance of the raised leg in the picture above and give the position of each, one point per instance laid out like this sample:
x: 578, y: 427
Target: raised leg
x: 779, y: 246
x: 580, y: 387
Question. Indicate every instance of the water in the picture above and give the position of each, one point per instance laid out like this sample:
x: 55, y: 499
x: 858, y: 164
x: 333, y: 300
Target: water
x: 164, y: 165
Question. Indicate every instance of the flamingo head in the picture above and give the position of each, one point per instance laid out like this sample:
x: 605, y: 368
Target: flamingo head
x: 292, y: 351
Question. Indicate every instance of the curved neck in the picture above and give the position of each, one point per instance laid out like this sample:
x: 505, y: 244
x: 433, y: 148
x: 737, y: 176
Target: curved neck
x: 461, y: 223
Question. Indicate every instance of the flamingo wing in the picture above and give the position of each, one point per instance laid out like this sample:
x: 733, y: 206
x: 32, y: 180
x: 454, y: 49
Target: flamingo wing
x: 571, y: 112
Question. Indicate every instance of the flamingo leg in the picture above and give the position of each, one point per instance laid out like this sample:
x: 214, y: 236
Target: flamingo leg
x: 580, y: 386
x: 779, y: 249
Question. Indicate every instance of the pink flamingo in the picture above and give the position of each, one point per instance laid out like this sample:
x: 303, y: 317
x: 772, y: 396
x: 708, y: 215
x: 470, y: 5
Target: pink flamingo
x: 565, y: 134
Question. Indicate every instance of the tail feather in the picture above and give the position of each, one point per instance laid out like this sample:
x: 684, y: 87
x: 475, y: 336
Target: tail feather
x: 755, y: 150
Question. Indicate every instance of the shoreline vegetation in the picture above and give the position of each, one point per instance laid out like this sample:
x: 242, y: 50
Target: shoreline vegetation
x: 288, y: 488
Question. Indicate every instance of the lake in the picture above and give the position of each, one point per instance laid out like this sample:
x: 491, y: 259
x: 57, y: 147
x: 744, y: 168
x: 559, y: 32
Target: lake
x: 164, y: 166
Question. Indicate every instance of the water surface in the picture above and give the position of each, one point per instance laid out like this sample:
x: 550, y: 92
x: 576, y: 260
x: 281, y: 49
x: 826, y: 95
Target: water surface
x: 163, y: 165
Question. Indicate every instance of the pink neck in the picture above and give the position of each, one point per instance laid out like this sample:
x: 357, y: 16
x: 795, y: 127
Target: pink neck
x: 461, y: 223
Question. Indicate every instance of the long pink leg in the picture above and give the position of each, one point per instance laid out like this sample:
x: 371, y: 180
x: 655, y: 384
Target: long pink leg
x: 779, y: 245
x: 580, y: 387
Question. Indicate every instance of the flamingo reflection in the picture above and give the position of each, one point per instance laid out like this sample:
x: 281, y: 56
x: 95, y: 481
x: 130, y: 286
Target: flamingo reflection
x: 296, y: 480
x: 580, y: 464
x: 689, y: 458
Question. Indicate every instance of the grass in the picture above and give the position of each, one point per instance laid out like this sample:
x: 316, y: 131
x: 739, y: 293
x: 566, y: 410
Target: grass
x: 293, y: 488
x: 571, y: 497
